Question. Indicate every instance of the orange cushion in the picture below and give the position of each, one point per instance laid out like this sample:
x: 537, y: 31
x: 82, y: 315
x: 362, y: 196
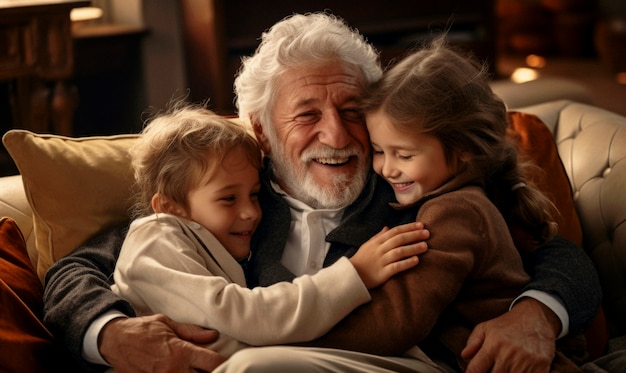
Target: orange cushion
x: 26, y: 344
x: 536, y: 142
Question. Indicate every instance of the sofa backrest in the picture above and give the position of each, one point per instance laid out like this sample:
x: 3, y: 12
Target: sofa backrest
x: 592, y: 145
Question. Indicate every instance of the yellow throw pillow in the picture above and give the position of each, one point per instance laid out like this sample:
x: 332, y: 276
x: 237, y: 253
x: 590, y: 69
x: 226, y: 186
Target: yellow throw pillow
x: 76, y: 187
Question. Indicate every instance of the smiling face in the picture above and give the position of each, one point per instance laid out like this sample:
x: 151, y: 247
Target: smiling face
x: 318, y: 143
x: 226, y: 202
x: 414, y: 164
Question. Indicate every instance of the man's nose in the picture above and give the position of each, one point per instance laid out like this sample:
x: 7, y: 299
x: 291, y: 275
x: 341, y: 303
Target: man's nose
x: 333, y: 131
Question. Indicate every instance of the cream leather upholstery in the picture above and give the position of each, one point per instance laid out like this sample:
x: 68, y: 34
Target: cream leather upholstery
x: 13, y: 203
x: 592, y: 146
x: 545, y: 89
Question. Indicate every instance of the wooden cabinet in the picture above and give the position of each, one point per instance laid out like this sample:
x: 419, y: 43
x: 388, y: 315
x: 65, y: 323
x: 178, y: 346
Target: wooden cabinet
x: 109, y: 76
x: 36, y: 56
x: 218, y: 32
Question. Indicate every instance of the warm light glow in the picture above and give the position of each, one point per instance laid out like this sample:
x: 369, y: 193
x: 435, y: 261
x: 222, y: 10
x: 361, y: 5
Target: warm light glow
x: 84, y: 14
x: 621, y: 78
x: 535, y: 61
x: 524, y: 74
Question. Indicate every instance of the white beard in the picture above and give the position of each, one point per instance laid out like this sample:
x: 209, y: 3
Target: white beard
x: 301, y: 185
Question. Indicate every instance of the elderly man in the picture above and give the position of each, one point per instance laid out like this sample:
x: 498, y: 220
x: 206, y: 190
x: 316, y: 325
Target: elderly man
x: 300, y: 92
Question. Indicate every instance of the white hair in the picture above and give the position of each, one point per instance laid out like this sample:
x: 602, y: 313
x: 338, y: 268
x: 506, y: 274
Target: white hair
x: 300, y: 39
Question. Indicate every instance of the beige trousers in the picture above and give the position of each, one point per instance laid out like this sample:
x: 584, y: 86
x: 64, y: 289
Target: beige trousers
x: 311, y: 359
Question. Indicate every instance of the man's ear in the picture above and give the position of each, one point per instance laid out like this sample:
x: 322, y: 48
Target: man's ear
x: 162, y: 203
x: 261, y: 137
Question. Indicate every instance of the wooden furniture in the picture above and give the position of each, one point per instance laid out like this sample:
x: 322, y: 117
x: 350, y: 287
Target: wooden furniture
x: 108, y: 73
x: 37, y: 57
x: 218, y: 32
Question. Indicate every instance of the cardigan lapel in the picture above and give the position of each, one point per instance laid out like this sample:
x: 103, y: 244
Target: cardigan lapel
x: 270, y: 237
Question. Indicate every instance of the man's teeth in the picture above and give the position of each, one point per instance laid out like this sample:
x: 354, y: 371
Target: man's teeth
x: 332, y: 160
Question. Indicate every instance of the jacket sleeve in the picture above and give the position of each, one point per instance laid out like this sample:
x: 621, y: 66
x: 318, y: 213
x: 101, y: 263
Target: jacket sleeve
x: 77, y: 289
x: 162, y: 269
x: 403, y: 311
x: 560, y: 268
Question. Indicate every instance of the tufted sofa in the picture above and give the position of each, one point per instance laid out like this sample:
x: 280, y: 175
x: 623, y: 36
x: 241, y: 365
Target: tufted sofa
x: 591, y: 143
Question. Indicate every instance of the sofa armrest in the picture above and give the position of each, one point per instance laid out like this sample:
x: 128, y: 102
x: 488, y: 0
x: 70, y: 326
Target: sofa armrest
x: 13, y: 203
x: 591, y: 142
x: 545, y: 89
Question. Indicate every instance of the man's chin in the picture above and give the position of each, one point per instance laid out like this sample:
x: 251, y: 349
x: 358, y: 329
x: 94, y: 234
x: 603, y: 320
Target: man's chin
x: 325, y: 186
x: 334, y: 192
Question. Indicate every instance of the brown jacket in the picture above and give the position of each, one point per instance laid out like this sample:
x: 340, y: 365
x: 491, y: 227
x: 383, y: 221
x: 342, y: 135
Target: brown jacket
x: 470, y: 274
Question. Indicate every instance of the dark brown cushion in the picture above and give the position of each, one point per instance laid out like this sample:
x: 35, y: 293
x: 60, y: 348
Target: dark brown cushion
x: 25, y: 344
x: 537, y: 143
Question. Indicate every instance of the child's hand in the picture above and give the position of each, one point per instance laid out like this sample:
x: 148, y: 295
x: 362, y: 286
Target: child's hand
x: 389, y: 252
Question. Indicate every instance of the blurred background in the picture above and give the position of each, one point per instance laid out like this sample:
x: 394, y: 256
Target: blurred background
x: 116, y: 61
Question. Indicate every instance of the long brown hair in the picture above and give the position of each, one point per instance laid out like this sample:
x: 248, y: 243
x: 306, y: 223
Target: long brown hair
x: 444, y: 93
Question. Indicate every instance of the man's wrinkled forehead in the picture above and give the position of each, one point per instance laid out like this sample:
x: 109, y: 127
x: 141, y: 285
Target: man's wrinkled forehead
x: 312, y: 85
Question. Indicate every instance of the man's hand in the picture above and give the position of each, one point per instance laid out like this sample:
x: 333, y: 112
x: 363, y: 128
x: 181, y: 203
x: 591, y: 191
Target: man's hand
x: 157, y: 344
x: 521, y: 340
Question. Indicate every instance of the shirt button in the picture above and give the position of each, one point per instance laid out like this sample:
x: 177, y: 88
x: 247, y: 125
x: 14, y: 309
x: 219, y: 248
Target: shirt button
x: 195, y: 225
x: 313, y: 264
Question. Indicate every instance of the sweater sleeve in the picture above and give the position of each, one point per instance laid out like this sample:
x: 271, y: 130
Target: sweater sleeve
x: 77, y: 289
x: 560, y: 268
x: 404, y: 310
x: 167, y: 274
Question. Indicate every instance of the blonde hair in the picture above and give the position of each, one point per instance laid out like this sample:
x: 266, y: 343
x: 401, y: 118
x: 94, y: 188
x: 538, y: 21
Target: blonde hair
x: 445, y: 94
x: 170, y: 155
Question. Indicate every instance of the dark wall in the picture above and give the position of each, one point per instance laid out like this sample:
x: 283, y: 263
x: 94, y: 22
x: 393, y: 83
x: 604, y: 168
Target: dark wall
x: 223, y: 32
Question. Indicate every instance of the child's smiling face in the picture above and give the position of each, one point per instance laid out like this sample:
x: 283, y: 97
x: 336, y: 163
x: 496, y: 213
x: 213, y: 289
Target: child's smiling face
x: 414, y: 164
x: 226, y: 202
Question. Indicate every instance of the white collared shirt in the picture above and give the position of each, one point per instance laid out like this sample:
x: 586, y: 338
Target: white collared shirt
x: 306, y: 245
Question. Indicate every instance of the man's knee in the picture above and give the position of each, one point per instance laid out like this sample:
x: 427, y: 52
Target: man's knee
x: 265, y: 360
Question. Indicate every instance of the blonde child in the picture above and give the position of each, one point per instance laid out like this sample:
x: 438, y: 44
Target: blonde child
x: 198, y: 180
x: 438, y: 135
